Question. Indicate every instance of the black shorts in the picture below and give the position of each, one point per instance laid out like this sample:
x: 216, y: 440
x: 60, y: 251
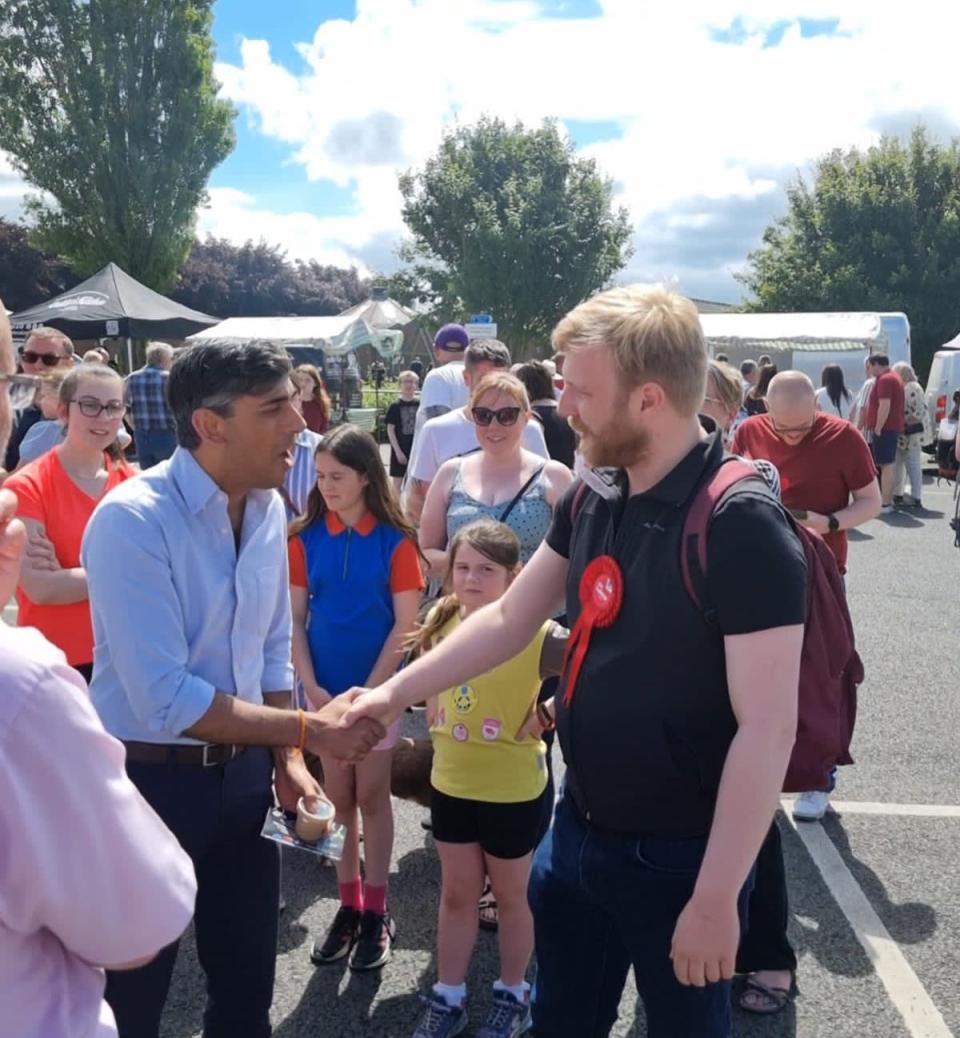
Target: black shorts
x: 502, y: 830
x: 397, y: 468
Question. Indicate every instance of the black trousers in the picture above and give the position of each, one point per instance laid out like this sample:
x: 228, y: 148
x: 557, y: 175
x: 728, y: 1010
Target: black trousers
x: 764, y: 944
x: 216, y: 814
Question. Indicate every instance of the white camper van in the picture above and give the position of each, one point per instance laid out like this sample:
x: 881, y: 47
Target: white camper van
x: 808, y: 342
x: 942, y: 383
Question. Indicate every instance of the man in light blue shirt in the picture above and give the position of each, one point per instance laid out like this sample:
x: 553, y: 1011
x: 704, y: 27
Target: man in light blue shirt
x: 189, y: 594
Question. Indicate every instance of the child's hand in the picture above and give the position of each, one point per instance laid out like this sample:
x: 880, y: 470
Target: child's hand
x: 432, y: 711
x: 531, y: 727
x: 317, y: 697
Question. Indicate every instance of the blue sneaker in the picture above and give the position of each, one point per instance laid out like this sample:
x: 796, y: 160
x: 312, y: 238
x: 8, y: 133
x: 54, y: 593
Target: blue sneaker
x: 507, y: 1018
x: 440, y: 1020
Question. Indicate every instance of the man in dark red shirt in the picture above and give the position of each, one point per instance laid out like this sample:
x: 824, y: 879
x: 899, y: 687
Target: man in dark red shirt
x: 827, y: 476
x: 884, y: 421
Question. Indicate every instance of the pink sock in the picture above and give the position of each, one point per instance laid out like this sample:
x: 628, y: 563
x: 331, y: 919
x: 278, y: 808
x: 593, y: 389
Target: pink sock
x: 351, y: 895
x: 375, y: 899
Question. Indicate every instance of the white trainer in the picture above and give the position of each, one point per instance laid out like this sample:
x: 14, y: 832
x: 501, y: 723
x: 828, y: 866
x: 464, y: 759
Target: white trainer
x: 811, y: 807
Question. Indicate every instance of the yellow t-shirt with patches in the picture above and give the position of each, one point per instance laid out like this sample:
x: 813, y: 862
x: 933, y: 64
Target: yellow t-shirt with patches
x: 476, y: 755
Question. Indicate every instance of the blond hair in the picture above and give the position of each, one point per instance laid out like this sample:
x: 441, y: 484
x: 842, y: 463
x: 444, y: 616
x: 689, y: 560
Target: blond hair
x: 48, y: 334
x: 500, y: 382
x: 727, y: 384
x: 905, y: 371
x: 654, y: 335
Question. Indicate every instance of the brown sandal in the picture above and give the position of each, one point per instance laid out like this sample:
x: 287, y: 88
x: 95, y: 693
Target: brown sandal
x: 489, y: 917
x: 763, y: 999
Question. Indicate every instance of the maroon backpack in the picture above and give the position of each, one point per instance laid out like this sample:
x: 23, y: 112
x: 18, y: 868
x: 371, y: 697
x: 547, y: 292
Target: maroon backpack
x: 830, y: 668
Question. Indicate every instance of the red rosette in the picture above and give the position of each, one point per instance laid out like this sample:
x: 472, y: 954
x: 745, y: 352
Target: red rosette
x: 601, y: 596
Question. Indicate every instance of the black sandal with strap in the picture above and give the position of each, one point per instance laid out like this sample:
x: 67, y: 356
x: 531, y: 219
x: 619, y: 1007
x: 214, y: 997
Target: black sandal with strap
x: 763, y: 999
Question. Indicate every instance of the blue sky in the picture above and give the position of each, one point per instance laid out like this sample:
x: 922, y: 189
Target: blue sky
x: 701, y: 113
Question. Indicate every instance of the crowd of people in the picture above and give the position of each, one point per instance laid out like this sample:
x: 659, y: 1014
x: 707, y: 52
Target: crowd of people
x: 259, y: 601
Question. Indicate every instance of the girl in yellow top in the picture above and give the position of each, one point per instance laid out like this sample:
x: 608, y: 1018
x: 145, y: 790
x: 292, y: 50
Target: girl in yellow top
x: 489, y: 776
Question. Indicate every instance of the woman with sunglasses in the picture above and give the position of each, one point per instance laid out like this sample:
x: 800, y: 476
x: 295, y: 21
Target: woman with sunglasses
x: 57, y: 494
x: 502, y: 481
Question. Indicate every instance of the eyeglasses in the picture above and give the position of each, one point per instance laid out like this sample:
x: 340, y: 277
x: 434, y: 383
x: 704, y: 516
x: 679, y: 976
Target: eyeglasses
x: 21, y: 389
x: 504, y: 415
x: 50, y: 360
x: 90, y: 407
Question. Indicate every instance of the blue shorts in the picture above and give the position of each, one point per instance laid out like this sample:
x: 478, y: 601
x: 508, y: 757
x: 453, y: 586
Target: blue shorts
x: 884, y: 447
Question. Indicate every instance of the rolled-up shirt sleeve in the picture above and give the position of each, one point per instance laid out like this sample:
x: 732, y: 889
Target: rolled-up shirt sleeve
x: 85, y: 856
x: 132, y: 590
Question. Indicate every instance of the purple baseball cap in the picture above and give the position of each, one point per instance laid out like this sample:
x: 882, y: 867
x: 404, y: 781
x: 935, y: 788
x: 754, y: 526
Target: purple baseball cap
x: 452, y: 337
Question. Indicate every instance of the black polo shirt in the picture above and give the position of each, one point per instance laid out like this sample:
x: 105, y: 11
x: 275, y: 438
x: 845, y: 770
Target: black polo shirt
x: 646, y: 735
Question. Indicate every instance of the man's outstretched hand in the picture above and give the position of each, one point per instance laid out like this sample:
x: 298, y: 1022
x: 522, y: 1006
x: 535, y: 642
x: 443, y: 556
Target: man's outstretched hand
x: 372, y: 704
x: 332, y: 732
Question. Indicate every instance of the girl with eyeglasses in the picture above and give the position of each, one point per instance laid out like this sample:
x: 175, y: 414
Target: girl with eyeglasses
x: 57, y: 494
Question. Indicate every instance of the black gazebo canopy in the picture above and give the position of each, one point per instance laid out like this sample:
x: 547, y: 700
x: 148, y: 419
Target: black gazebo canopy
x: 111, y: 304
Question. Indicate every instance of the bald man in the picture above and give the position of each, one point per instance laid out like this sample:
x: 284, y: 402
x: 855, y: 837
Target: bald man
x: 826, y: 471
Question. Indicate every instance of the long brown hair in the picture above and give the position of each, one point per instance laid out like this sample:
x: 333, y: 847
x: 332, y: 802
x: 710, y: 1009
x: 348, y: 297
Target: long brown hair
x: 357, y: 450
x: 494, y: 541
x: 319, y: 390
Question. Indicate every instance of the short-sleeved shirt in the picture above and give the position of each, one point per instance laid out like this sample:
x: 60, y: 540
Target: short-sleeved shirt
x: 402, y: 415
x: 42, y: 437
x: 452, y: 435
x: 89, y: 874
x: 476, y: 754
x: 888, y: 386
x: 647, y: 731
x: 443, y: 388
x: 48, y: 495
x: 819, y: 473
x: 351, y: 574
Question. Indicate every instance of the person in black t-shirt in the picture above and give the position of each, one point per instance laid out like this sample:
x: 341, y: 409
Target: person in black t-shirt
x: 401, y: 421
x: 676, y: 726
x: 561, y: 439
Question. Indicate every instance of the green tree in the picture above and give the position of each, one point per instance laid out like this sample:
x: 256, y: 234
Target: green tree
x: 875, y: 230
x: 508, y: 220
x: 110, y: 109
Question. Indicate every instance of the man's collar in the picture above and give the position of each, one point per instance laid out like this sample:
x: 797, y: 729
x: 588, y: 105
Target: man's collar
x: 676, y: 486
x: 197, y: 486
x: 335, y: 526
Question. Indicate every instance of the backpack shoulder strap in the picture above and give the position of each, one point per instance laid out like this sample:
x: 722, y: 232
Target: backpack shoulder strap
x: 693, y: 539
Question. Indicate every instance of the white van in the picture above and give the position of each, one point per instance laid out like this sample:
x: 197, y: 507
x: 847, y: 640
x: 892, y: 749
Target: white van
x: 943, y: 382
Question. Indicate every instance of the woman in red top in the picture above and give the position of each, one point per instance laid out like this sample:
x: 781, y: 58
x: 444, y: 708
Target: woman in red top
x: 313, y: 398
x: 56, y: 496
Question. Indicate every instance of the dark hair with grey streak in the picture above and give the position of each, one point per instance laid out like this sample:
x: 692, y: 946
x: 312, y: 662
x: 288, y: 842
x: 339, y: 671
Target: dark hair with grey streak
x: 487, y: 351
x: 214, y: 375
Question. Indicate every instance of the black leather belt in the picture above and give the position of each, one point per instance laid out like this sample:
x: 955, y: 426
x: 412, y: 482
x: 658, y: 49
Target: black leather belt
x: 209, y: 755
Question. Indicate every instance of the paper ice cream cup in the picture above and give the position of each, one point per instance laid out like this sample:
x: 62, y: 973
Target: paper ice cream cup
x: 314, y: 818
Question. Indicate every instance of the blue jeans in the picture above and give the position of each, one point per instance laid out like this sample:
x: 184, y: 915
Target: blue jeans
x: 603, y: 902
x: 154, y: 446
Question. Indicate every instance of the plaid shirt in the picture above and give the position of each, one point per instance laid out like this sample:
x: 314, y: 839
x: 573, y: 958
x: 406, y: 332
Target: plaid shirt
x: 147, y: 399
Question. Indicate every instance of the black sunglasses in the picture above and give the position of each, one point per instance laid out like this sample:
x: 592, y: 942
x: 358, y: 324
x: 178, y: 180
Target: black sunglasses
x: 504, y: 415
x: 50, y: 360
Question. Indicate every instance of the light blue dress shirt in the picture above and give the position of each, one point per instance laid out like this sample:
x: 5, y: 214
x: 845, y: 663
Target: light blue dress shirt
x: 178, y: 611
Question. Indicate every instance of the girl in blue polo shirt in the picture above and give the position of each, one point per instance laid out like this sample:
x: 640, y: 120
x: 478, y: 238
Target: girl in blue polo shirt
x: 355, y: 587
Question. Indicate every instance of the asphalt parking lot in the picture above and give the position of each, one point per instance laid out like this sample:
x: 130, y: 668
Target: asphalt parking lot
x: 875, y: 889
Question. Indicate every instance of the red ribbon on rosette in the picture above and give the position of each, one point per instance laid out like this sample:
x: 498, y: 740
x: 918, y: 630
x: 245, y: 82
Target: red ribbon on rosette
x: 601, y: 596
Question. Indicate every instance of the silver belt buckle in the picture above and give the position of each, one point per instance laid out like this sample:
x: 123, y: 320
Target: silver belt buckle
x: 204, y: 762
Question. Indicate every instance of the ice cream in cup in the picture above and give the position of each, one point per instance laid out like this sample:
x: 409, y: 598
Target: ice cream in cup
x: 314, y: 818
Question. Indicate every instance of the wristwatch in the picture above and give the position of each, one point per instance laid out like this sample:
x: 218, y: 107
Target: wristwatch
x: 833, y: 523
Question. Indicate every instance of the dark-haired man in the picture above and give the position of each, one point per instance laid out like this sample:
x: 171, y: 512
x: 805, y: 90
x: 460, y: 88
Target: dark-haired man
x: 884, y: 421
x: 189, y: 595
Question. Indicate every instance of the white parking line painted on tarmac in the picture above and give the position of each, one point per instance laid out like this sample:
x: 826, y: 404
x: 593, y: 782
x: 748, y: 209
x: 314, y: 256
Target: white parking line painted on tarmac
x: 868, y: 807
x: 908, y: 995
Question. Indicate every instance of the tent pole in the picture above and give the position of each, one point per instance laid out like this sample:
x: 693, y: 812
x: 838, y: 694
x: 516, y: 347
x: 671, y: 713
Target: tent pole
x: 129, y: 355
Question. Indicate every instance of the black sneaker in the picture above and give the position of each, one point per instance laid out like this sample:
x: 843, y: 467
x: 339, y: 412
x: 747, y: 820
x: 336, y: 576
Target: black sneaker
x: 341, y: 937
x: 372, y: 950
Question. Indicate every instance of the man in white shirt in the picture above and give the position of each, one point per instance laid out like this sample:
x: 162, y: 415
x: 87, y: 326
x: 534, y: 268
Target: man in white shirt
x: 444, y: 388
x: 190, y: 599
x: 453, y: 434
